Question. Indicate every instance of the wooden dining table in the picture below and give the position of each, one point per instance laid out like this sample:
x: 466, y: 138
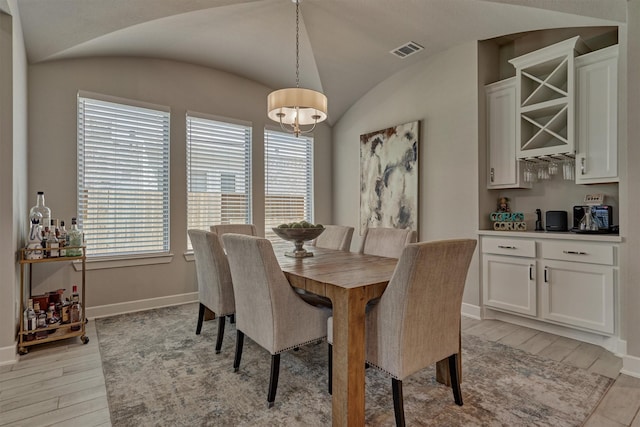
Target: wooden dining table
x: 350, y: 280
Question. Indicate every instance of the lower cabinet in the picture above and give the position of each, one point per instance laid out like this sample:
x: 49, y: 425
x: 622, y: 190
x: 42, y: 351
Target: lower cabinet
x: 510, y: 283
x: 567, y: 282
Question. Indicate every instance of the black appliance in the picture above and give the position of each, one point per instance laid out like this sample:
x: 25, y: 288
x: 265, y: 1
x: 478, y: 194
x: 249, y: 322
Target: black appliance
x: 556, y: 220
x: 603, y: 215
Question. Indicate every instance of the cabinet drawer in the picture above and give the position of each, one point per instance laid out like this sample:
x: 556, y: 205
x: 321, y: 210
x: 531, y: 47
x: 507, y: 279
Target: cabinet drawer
x: 509, y: 246
x: 593, y: 253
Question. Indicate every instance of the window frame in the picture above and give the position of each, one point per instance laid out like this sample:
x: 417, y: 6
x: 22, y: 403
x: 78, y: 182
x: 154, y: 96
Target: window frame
x: 240, y: 126
x: 123, y: 257
x: 308, y: 140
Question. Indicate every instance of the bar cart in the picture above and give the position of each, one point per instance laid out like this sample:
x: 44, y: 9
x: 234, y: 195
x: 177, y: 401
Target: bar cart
x: 55, y: 331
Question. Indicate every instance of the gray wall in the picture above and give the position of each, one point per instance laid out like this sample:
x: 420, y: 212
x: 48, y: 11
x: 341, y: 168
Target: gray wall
x: 441, y: 92
x: 52, y: 157
x: 13, y: 170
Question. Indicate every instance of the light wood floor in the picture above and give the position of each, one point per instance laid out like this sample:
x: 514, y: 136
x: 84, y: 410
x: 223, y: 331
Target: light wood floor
x: 62, y: 384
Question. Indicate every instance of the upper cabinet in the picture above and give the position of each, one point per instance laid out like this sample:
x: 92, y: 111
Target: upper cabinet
x: 503, y: 166
x: 545, y: 93
x: 597, y: 116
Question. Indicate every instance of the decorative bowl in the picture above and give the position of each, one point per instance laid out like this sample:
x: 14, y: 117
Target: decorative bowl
x: 298, y: 236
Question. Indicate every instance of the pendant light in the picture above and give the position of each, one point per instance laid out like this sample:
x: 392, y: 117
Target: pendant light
x: 297, y: 107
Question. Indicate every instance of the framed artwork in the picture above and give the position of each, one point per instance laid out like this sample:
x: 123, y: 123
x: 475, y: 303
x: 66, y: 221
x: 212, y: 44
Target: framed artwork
x: 389, y: 177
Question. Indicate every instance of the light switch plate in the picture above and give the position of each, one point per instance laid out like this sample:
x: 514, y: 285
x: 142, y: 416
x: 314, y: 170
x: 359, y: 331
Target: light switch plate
x: 594, y: 199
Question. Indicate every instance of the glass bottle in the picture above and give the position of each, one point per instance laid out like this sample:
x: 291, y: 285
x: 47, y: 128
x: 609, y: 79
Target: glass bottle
x: 62, y: 239
x: 30, y: 323
x: 34, y: 242
x: 53, y: 247
x: 41, y: 208
x: 75, y: 239
x: 75, y: 311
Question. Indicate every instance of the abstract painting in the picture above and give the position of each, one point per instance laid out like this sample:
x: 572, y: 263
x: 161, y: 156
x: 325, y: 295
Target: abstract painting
x: 389, y: 177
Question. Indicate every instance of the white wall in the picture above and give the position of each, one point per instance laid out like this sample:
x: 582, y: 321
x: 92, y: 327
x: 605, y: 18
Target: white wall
x: 52, y: 157
x: 441, y: 92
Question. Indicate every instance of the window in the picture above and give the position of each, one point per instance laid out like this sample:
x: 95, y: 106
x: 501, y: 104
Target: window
x: 218, y: 173
x: 288, y: 179
x: 123, y: 177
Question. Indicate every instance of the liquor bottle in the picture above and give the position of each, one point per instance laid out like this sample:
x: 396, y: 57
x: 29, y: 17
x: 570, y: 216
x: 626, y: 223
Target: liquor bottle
x: 41, y: 208
x: 30, y: 321
x: 41, y: 316
x: 62, y: 239
x: 75, y: 296
x: 75, y: 239
x: 51, y: 314
x: 53, y: 247
x: 75, y: 311
x: 34, y: 242
x: 64, y: 311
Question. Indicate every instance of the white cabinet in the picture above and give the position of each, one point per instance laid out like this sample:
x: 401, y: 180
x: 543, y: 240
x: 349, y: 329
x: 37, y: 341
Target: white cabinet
x: 504, y: 169
x: 545, y: 92
x: 578, y: 284
x: 508, y: 268
x: 596, y: 116
x: 569, y: 282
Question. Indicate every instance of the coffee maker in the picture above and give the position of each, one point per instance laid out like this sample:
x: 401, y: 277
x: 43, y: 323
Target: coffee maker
x: 593, y: 216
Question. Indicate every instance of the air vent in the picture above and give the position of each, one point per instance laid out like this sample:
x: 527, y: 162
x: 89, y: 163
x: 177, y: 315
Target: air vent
x: 407, y: 49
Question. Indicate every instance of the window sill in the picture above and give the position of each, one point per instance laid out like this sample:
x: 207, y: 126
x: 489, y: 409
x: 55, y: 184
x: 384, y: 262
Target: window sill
x: 125, y: 261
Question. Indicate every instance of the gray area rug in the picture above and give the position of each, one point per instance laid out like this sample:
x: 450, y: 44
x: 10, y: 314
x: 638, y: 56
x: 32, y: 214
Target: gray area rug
x: 158, y: 372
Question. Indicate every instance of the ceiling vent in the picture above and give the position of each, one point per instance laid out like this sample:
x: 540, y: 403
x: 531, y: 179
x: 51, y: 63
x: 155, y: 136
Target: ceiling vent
x: 407, y: 49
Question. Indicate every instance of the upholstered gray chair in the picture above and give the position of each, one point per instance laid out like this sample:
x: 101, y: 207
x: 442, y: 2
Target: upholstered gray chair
x: 387, y: 242
x: 221, y: 229
x: 417, y: 320
x: 215, y: 290
x: 336, y: 237
x: 268, y: 310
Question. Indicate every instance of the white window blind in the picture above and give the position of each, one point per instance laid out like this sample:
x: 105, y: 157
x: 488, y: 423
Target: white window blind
x: 218, y: 173
x: 123, y: 178
x: 288, y: 179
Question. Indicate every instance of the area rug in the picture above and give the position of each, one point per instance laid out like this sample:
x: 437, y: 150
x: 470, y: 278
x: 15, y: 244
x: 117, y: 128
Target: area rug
x: 158, y: 372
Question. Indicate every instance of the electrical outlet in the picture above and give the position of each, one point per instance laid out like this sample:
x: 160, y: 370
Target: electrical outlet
x: 594, y: 199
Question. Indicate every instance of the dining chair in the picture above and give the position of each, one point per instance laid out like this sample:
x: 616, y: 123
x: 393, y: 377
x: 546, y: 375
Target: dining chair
x: 416, y: 322
x: 268, y: 310
x: 221, y: 229
x: 387, y: 242
x: 336, y: 237
x: 215, y: 290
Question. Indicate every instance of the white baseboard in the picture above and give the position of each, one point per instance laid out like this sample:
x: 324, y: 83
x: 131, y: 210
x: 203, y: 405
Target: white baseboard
x: 140, y: 305
x: 631, y: 366
x: 8, y: 355
x: 472, y: 311
x: 612, y: 343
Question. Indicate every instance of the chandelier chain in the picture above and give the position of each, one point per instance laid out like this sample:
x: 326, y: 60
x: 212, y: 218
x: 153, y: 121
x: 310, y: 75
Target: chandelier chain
x: 297, y: 44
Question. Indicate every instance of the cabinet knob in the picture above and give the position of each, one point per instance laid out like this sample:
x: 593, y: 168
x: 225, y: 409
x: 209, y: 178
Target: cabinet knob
x: 492, y: 174
x: 583, y: 166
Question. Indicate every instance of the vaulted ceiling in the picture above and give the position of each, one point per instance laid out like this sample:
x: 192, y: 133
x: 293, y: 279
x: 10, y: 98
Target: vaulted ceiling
x: 344, y: 44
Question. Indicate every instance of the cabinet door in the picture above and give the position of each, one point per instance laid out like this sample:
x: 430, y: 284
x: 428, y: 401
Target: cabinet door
x: 503, y: 167
x: 597, y: 116
x: 509, y: 283
x: 578, y: 294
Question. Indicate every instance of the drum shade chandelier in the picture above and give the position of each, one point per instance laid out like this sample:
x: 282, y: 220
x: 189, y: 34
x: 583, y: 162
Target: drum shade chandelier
x: 297, y: 107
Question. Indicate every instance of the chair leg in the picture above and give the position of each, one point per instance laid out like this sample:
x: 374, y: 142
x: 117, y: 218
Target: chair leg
x: 273, y: 380
x: 330, y: 369
x: 239, y: 342
x: 221, y: 320
x: 455, y: 378
x: 232, y: 317
x: 200, y: 319
x: 398, y: 402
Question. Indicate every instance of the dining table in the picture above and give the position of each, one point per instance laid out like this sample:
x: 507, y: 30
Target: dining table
x: 350, y: 280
